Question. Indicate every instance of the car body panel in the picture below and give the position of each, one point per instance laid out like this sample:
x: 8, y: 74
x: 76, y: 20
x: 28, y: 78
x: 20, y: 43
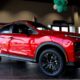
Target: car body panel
x: 23, y: 45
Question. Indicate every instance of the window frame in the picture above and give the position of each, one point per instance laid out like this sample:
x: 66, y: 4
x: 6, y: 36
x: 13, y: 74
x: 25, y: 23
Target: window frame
x: 34, y: 31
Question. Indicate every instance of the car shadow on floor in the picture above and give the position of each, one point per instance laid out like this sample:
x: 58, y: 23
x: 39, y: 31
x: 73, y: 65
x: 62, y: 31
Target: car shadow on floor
x: 26, y: 70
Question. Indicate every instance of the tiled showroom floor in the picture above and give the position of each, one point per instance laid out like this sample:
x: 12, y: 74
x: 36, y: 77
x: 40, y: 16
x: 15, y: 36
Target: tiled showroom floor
x: 10, y: 69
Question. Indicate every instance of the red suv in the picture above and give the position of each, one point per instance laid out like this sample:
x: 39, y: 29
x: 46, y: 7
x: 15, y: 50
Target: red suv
x: 32, y: 41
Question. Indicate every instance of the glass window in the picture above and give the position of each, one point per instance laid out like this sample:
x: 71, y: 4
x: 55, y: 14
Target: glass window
x: 55, y: 28
x: 19, y: 28
x: 6, y: 29
x: 65, y: 29
x: 72, y: 29
x: 79, y: 30
x: 22, y: 28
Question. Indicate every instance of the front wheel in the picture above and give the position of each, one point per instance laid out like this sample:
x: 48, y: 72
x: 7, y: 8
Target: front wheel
x: 51, y: 62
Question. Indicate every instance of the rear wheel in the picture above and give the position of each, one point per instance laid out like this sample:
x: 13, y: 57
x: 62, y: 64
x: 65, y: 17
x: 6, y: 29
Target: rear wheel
x: 51, y: 62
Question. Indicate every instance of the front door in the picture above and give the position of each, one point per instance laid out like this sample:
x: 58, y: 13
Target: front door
x: 21, y: 43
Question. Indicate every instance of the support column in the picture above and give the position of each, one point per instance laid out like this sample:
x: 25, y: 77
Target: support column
x: 75, y: 18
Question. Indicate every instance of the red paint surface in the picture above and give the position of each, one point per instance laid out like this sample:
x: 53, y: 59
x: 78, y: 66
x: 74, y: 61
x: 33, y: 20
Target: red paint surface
x: 23, y: 45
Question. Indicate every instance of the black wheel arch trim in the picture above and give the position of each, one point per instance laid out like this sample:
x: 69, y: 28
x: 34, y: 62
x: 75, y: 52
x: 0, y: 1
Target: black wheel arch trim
x: 53, y: 44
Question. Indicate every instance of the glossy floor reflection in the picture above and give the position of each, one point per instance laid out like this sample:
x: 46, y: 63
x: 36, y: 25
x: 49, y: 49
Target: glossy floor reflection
x: 10, y: 69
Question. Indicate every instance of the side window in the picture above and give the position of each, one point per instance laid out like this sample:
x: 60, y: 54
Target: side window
x: 6, y: 29
x: 15, y: 29
x: 22, y: 28
x: 29, y: 30
x: 19, y: 28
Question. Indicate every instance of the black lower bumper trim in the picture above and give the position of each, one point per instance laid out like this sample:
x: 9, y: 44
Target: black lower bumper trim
x: 73, y: 64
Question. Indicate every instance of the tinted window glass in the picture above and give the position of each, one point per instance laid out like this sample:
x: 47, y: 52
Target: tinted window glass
x: 5, y: 29
x: 19, y: 28
x: 22, y: 28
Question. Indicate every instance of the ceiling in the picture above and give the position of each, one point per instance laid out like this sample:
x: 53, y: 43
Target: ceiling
x: 71, y: 2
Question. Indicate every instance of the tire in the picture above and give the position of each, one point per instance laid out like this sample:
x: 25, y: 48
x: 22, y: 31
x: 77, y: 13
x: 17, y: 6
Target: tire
x: 51, y: 62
